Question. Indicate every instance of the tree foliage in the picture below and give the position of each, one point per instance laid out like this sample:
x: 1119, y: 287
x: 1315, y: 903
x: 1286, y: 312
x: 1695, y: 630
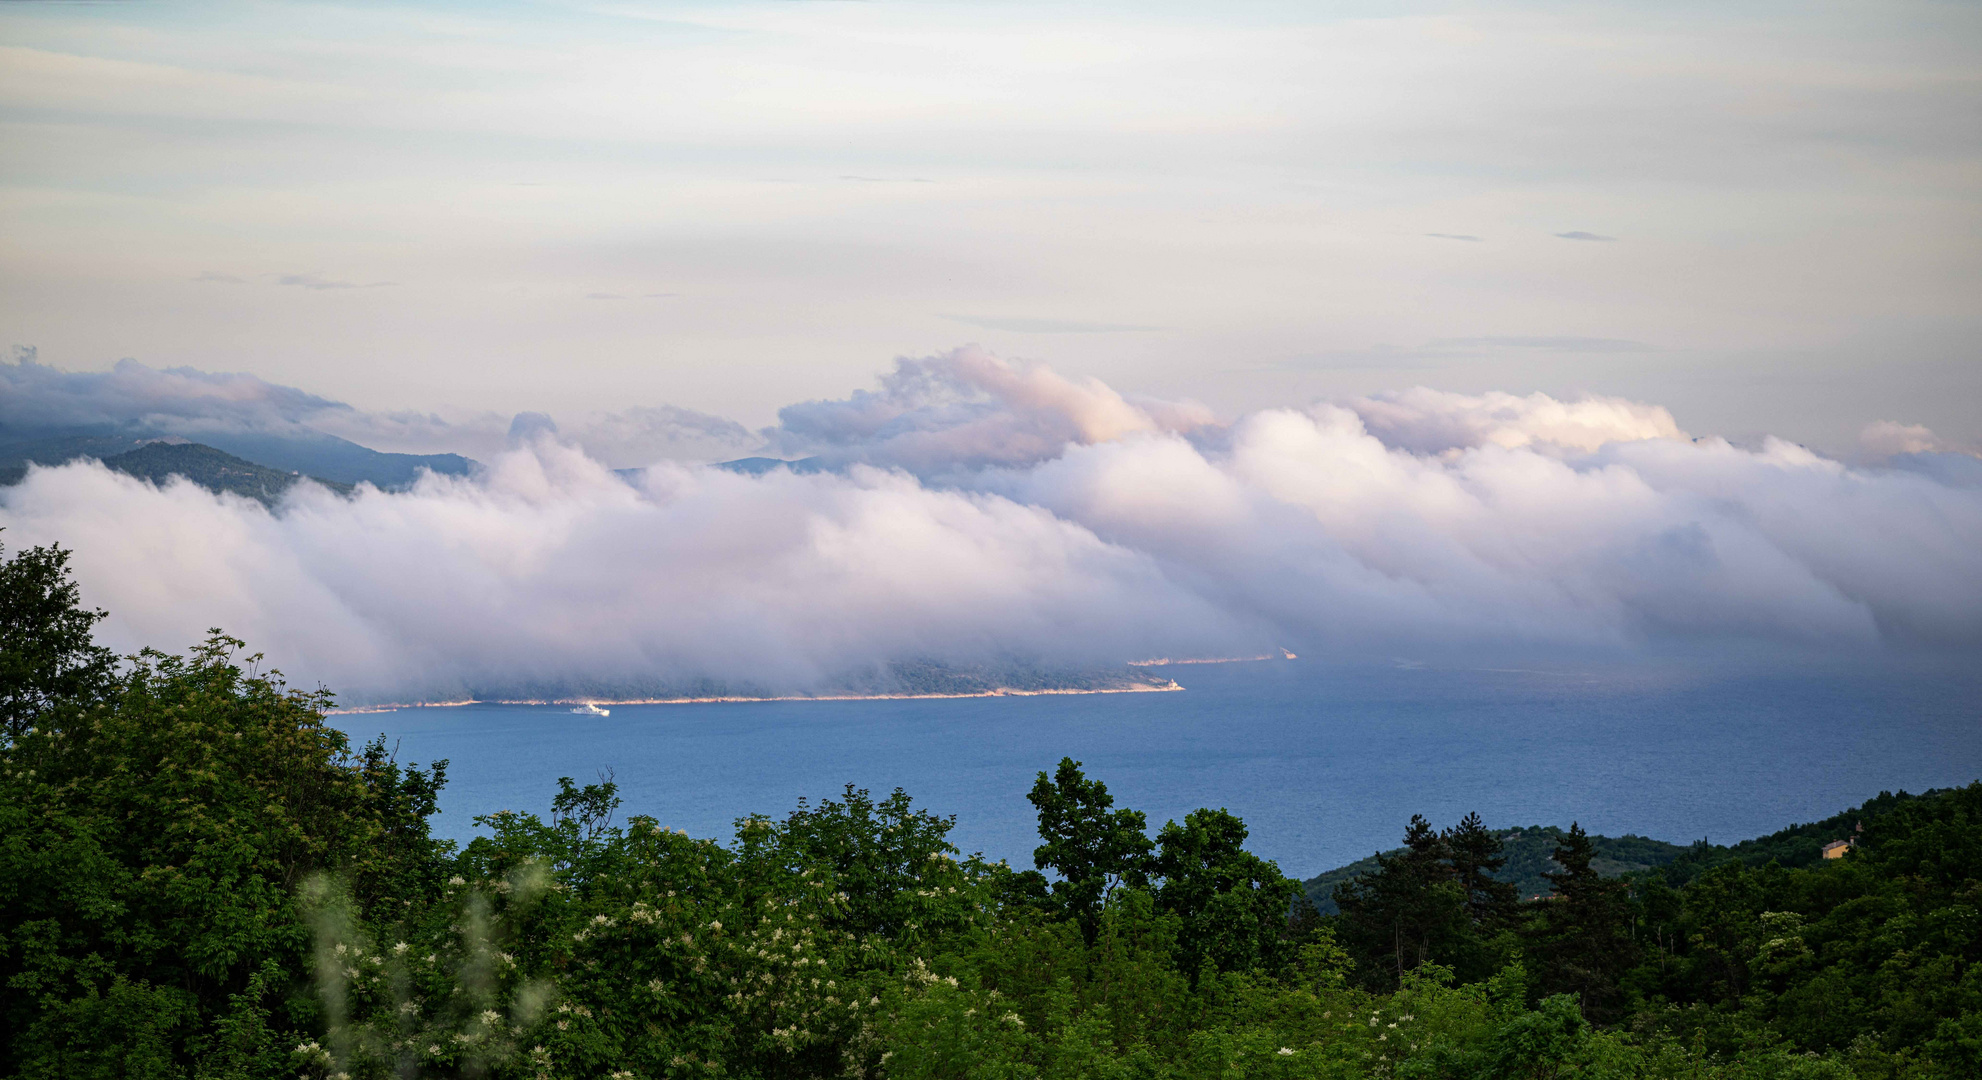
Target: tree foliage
x: 1094, y: 848
x: 47, y: 658
x: 152, y: 846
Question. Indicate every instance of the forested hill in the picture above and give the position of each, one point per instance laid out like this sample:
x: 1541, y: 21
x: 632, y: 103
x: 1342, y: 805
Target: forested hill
x: 1797, y: 846
x: 214, y: 470
x: 1529, y: 852
x: 1529, y: 855
x: 325, y: 458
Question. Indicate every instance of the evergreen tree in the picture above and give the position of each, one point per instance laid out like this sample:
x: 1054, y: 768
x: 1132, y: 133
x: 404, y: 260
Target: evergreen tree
x: 1474, y: 854
x: 1407, y: 912
x: 47, y: 659
x: 1094, y: 848
x: 1582, y: 943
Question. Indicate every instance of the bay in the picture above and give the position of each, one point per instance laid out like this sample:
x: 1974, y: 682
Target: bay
x: 1324, y: 762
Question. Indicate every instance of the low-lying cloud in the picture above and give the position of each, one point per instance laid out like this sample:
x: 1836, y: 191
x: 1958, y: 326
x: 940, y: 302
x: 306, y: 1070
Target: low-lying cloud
x: 974, y: 510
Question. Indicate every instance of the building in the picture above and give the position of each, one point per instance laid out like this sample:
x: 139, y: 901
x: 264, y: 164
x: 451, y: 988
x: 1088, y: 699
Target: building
x: 1836, y: 848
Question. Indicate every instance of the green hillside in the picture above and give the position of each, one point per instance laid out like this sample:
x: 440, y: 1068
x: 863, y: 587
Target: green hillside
x: 1528, y: 852
x: 212, y: 469
x: 1797, y: 846
x: 325, y: 458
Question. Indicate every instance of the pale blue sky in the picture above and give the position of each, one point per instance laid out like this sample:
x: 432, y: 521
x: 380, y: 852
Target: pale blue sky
x: 1763, y: 216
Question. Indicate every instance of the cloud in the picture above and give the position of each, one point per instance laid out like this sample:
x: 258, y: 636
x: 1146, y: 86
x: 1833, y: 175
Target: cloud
x: 212, y: 278
x: 1012, y: 511
x: 1021, y: 325
x: 644, y: 434
x: 131, y: 396
x: 318, y: 281
x: 1890, y: 437
x: 604, y: 296
x: 1428, y: 421
x: 528, y: 427
x: 969, y: 409
x: 1578, y: 234
x: 553, y: 570
x: 1917, y: 448
x: 1455, y: 236
x: 133, y: 399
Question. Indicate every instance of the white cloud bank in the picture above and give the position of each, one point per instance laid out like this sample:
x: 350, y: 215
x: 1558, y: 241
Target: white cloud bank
x: 984, y: 510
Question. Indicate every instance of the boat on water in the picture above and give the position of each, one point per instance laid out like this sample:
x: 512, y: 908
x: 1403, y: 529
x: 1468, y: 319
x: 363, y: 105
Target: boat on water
x: 589, y: 709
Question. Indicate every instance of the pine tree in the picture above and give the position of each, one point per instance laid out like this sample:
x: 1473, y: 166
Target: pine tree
x: 1406, y: 912
x: 1475, y: 856
x: 1582, y: 944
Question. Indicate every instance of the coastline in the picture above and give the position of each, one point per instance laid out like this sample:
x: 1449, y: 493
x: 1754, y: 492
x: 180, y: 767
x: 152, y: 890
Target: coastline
x: 360, y: 710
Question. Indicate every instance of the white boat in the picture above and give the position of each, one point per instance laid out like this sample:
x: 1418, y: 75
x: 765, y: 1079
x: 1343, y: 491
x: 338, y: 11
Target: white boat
x: 589, y: 709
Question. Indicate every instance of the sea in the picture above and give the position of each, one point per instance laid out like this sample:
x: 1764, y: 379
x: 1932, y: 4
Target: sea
x: 1326, y: 763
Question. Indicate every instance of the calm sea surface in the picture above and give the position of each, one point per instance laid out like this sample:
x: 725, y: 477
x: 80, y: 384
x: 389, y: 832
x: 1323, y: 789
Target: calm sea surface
x: 1325, y: 763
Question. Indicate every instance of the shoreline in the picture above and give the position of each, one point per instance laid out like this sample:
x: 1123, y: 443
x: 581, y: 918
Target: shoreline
x: 361, y: 710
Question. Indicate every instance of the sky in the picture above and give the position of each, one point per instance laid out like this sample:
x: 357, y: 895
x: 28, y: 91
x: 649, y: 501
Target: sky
x: 1399, y: 333
x: 1762, y: 217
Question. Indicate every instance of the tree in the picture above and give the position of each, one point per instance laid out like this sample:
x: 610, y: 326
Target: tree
x: 1474, y: 855
x: 1582, y: 944
x: 880, y: 855
x: 1094, y: 848
x: 1233, y: 905
x: 150, y: 857
x: 1406, y: 912
x: 47, y: 658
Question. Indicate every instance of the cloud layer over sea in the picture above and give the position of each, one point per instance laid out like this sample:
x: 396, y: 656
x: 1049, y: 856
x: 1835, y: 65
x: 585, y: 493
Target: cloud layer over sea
x: 973, y: 510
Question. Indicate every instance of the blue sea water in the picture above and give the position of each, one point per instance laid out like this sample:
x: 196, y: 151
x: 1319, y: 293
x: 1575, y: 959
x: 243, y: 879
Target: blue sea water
x: 1325, y: 763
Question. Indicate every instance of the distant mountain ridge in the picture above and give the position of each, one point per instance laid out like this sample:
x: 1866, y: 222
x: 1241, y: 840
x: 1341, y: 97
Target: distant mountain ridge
x: 159, y: 461
x: 332, y: 458
x: 212, y: 469
x: 324, y: 457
